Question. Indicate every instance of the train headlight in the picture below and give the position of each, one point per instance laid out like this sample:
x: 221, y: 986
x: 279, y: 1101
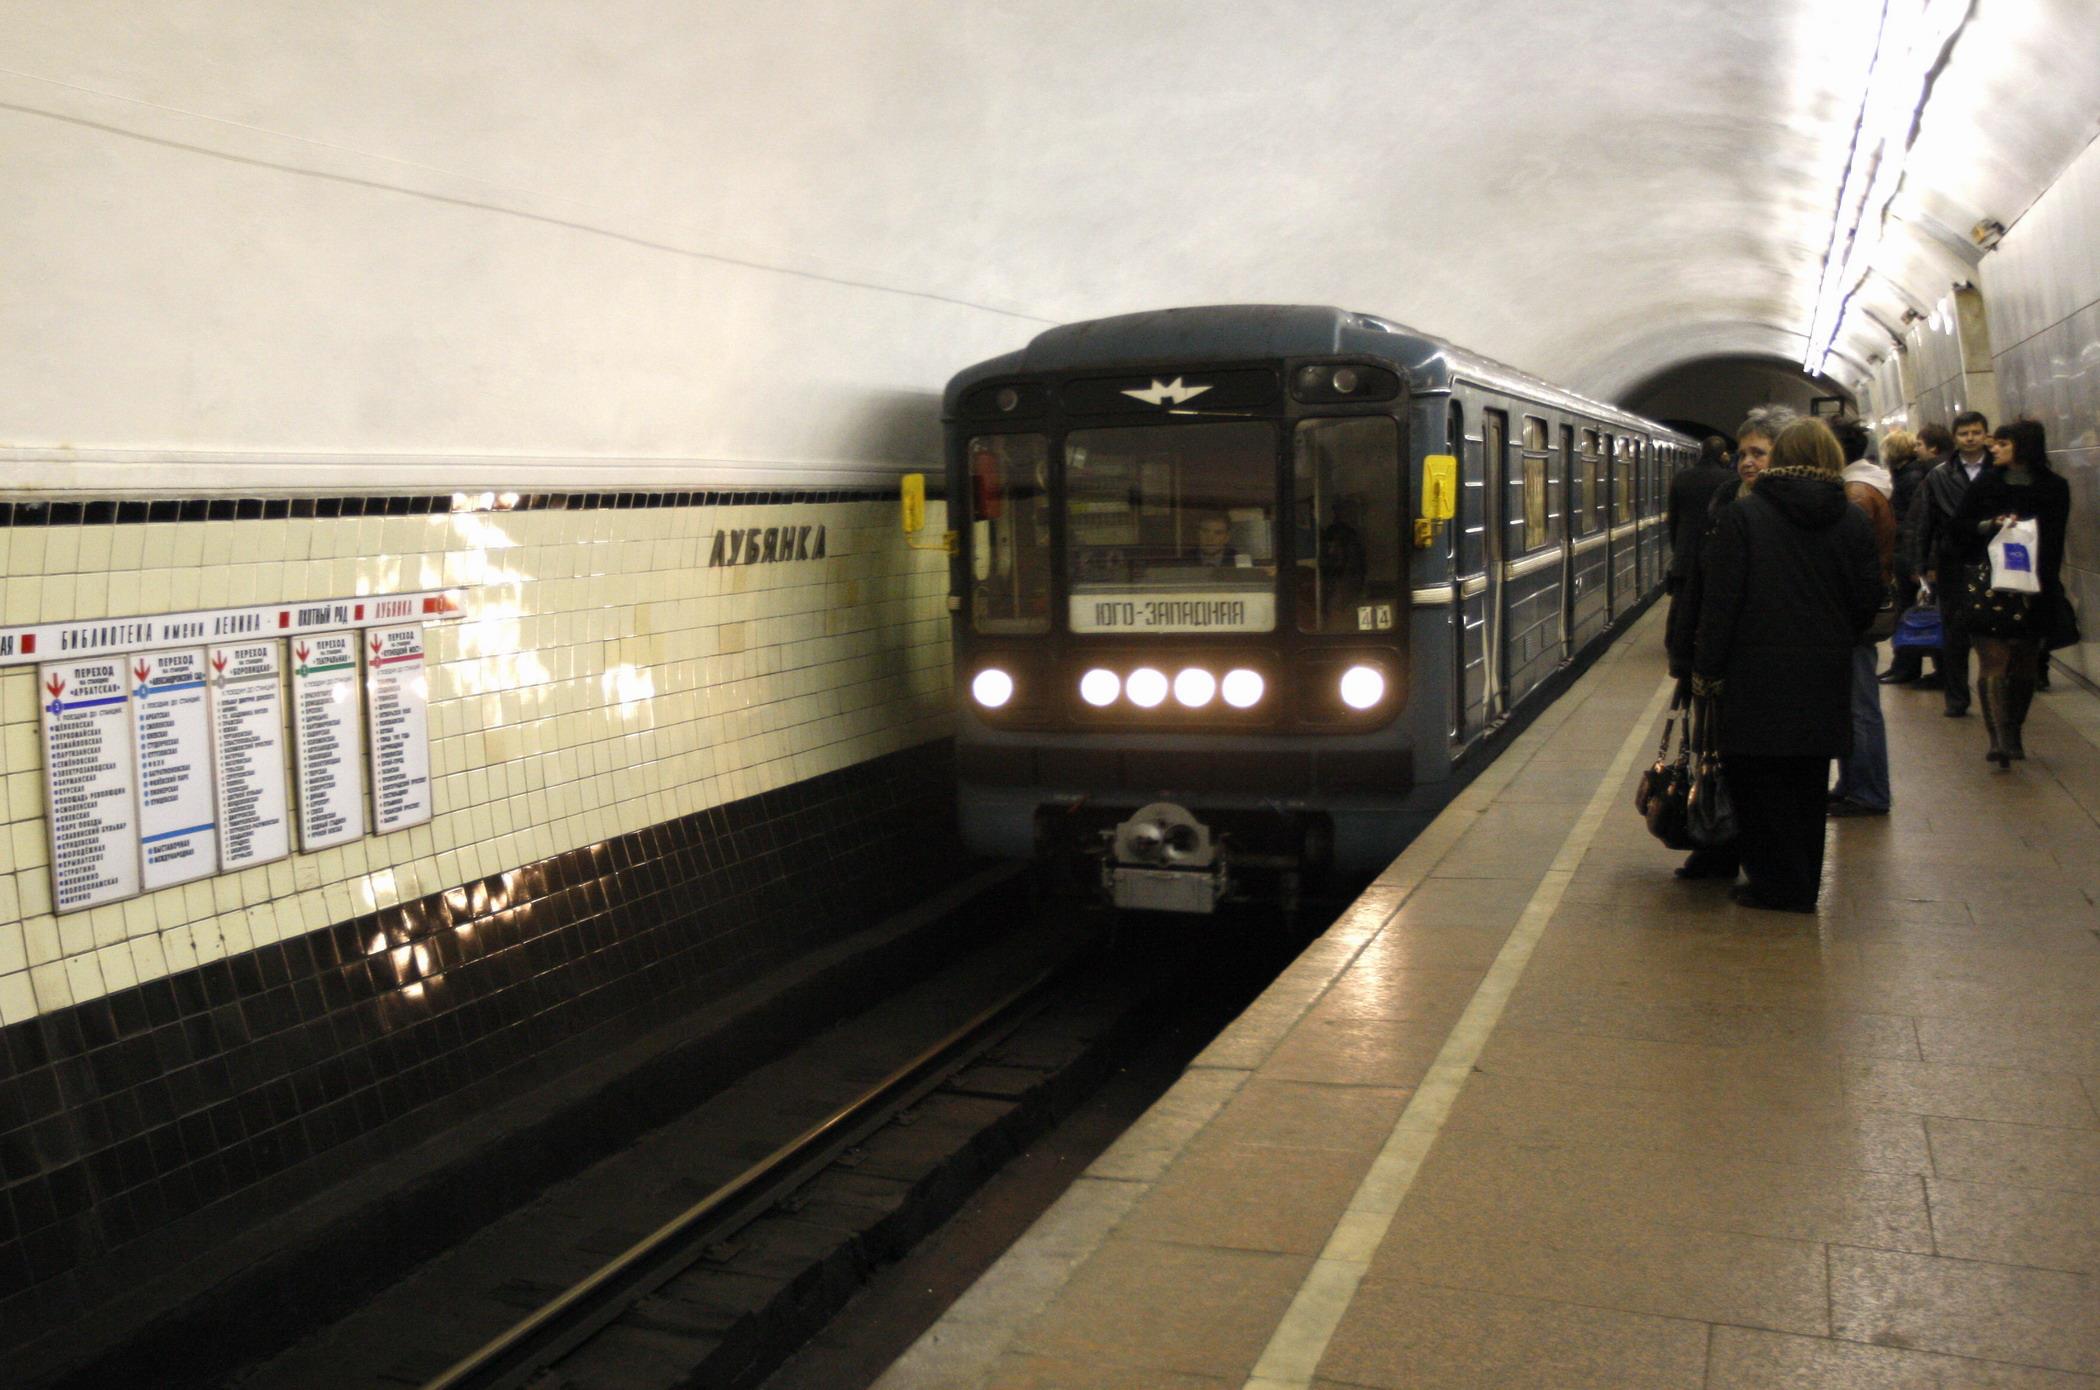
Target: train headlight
x: 1362, y: 687
x: 1099, y: 687
x: 1146, y: 687
x: 1195, y: 687
x: 992, y: 687
x: 1243, y: 688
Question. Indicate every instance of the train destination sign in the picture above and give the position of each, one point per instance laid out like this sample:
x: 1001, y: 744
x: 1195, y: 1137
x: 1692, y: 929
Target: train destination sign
x: 88, y: 783
x: 326, y: 720
x: 20, y: 646
x: 399, y: 690
x: 247, y: 720
x: 1174, y: 610
x: 171, y: 740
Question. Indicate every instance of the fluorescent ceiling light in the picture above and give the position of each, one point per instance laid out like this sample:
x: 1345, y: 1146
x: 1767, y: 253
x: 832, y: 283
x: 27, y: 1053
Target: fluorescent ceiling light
x: 1914, y: 37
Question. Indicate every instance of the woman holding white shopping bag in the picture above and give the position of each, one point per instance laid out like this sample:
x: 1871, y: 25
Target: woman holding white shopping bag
x: 2011, y: 527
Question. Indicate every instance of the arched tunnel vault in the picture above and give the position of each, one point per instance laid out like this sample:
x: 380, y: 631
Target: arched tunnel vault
x: 1714, y: 394
x: 648, y: 239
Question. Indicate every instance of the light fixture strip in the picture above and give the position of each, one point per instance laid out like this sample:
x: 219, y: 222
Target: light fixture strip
x: 1914, y: 37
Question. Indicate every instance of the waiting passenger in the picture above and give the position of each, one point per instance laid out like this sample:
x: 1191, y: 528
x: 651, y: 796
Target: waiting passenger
x: 1863, y: 777
x: 1909, y: 459
x: 1753, y: 443
x: 1691, y: 492
x: 2012, y: 629
x: 1789, y: 581
x: 1940, y: 548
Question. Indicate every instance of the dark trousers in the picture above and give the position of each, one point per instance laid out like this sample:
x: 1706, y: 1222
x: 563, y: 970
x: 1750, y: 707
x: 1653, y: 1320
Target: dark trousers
x: 1953, y: 590
x: 1779, y: 805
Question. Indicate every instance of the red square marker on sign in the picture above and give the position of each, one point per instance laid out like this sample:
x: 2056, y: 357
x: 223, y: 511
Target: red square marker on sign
x: 360, y: 613
x: 284, y: 618
x: 28, y: 643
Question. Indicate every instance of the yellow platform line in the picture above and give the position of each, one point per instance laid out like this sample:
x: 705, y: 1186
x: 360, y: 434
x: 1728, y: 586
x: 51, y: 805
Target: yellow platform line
x: 1300, y: 1340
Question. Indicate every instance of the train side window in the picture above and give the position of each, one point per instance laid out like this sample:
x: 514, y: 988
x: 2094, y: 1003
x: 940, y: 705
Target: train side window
x: 1347, y: 489
x: 1538, y: 508
x: 1621, y: 480
x: 1592, y: 481
x: 1009, y: 505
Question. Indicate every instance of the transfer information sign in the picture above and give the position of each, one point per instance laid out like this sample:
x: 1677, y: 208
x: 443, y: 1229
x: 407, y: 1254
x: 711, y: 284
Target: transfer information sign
x: 400, y: 718
x: 88, y: 779
x: 247, y: 724
x: 327, y: 720
x: 171, y: 738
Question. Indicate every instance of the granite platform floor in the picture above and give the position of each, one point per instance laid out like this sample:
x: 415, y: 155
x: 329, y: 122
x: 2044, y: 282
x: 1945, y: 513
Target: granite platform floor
x: 1534, y: 1113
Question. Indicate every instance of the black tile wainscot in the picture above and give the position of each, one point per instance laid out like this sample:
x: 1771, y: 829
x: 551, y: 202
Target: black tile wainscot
x: 144, y: 1129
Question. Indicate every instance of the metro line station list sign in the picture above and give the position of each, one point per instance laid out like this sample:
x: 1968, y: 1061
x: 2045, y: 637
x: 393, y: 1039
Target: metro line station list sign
x: 165, y: 742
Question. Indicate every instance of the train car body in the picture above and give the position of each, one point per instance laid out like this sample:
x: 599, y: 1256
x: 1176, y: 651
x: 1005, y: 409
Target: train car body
x: 1242, y: 592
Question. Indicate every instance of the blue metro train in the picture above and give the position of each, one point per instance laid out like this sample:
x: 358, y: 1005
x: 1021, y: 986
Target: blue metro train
x: 1243, y: 593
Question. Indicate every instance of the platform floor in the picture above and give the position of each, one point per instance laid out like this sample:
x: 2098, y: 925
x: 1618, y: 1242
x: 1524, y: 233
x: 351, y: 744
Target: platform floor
x: 1535, y: 1113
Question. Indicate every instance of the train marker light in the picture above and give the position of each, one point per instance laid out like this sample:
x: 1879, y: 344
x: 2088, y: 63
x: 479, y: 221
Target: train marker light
x: 1146, y: 687
x: 1194, y: 687
x: 1362, y: 687
x: 1243, y: 688
x: 992, y: 687
x: 1099, y: 687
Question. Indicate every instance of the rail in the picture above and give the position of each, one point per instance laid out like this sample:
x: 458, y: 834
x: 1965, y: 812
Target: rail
x: 570, y: 1319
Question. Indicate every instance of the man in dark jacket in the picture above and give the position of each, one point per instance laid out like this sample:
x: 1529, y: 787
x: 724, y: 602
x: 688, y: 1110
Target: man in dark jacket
x: 1935, y: 447
x: 1937, y: 556
x: 1691, y: 495
x: 1790, y: 578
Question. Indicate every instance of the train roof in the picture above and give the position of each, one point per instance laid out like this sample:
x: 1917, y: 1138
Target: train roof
x: 1224, y: 332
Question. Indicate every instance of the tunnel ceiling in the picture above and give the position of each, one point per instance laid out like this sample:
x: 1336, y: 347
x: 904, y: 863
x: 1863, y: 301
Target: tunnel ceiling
x: 1592, y: 191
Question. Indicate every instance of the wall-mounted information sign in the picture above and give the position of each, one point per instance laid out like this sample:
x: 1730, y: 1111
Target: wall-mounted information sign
x: 400, y: 704
x: 88, y: 783
x: 247, y: 725
x: 171, y: 740
x: 115, y: 636
x: 326, y: 720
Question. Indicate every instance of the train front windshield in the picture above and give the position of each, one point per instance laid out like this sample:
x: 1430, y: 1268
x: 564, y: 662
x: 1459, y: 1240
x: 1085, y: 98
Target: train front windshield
x: 1171, y: 529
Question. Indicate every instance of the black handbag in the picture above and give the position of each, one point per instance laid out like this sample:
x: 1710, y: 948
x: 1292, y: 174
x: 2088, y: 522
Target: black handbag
x: 1664, y: 791
x: 1710, y: 819
x: 2061, y: 628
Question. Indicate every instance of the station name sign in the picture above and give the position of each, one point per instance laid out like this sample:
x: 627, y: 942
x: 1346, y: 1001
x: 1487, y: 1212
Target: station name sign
x: 20, y: 646
x: 766, y: 545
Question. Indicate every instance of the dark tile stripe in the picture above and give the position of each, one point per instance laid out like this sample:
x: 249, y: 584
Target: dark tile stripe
x: 118, y: 511
x: 223, y: 1094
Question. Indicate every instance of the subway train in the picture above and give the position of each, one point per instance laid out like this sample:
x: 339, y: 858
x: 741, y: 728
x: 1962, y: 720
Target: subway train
x: 1243, y: 593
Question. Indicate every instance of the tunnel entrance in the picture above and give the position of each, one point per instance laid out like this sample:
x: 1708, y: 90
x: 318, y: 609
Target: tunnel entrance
x: 1711, y: 395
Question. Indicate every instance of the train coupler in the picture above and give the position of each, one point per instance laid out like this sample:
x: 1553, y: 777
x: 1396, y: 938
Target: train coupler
x: 1163, y: 859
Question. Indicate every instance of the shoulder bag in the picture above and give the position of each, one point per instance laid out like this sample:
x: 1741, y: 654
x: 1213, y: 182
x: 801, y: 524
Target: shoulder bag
x: 1710, y: 818
x: 1665, y: 788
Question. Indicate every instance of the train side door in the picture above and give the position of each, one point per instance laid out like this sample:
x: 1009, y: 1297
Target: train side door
x: 1494, y: 491
x: 1571, y: 504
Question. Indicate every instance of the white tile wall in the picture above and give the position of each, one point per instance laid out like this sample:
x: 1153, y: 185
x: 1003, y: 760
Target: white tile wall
x: 2042, y: 286
x: 603, y: 680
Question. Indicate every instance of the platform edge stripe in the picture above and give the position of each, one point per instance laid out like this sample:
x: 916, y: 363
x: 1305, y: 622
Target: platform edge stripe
x: 1294, y: 1350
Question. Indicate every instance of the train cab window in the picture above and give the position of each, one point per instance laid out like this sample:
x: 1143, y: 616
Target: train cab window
x: 1009, y: 501
x: 1172, y: 528
x: 1592, y: 481
x: 1538, y: 508
x: 1346, y: 575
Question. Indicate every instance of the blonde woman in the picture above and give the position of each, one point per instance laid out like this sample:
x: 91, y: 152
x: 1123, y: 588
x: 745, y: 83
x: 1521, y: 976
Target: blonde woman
x: 1791, y: 578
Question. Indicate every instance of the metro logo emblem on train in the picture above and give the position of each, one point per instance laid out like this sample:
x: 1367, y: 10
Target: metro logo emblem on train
x: 1162, y: 392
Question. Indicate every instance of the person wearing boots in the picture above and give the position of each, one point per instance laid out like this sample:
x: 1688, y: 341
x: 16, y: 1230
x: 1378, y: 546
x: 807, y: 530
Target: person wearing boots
x: 1940, y: 547
x: 2009, y: 627
x: 1753, y: 455
x: 1789, y: 580
x: 1909, y: 458
x: 1863, y: 776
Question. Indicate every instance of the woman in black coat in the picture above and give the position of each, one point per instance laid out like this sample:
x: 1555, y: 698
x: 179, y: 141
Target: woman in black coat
x: 1790, y: 578
x: 2012, y: 629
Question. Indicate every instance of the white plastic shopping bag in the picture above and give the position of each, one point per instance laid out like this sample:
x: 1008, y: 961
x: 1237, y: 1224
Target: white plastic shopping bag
x: 2013, y: 552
